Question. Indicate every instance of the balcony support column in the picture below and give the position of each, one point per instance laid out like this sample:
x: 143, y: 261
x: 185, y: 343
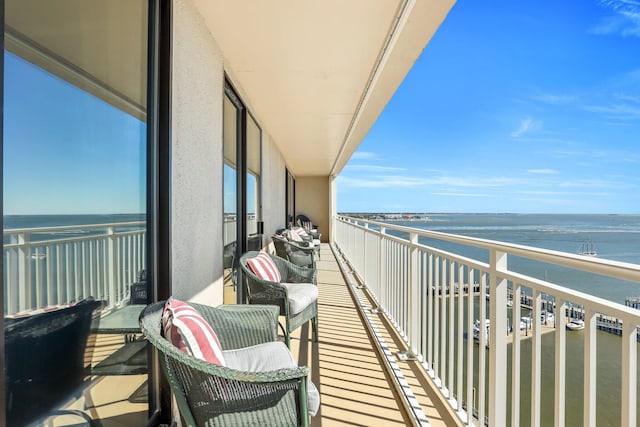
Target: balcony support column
x: 497, y: 340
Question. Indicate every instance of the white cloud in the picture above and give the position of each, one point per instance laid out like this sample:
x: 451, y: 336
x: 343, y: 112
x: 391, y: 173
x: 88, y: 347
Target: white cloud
x: 462, y: 194
x: 549, y: 98
x: 525, y: 126
x: 381, y: 181
x: 373, y: 168
x: 620, y: 111
x: 625, y: 22
x: 543, y: 171
x: 360, y: 155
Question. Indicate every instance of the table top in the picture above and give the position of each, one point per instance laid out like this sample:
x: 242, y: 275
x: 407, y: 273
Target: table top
x: 123, y: 320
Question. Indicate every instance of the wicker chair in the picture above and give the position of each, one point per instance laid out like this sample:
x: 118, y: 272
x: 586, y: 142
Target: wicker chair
x: 45, y: 363
x: 306, y: 242
x: 304, y: 256
x: 311, y: 228
x: 214, y: 395
x: 264, y: 292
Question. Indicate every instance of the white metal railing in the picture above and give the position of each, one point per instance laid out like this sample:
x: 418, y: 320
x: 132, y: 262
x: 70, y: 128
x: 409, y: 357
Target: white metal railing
x: 433, y: 297
x: 229, y: 228
x: 54, y: 265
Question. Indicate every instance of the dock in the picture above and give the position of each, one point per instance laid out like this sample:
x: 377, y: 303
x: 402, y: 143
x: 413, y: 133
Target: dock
x: 604, y: 323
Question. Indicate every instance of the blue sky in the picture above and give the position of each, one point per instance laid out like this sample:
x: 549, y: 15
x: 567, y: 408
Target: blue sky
x: 514, y: 106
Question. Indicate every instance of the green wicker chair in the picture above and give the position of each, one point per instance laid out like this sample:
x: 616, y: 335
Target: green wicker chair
x: 212, y: 395
x: 307, y: 242
x: 304, y: 256
x: 311, y: 228
x: 265, y: 292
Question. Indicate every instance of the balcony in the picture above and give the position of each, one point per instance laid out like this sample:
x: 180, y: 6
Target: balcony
x: 434, y: 297
x: 397, y: 315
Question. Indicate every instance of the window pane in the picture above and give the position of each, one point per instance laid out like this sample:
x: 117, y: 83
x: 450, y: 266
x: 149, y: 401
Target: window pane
x: 74, y: 189
x: 253, y: 184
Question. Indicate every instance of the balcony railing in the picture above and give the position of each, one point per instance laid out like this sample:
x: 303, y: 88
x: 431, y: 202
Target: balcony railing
x: 55, y: 265
x: 434, y: 297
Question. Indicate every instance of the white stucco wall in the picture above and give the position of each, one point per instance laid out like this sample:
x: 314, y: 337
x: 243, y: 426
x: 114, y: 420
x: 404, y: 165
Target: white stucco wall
x: 312, y: 200
x: 196, y: 164
x: 273, y: 187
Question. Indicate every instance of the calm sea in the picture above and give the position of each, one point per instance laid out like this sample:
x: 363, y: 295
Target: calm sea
x: 11, y: 222
x: 615, y: 237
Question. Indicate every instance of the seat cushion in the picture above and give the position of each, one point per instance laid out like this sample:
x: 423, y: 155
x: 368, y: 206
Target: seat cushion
x: 185, y: 328
x: 264, y: 267
x: 267, y: 357
x: 300, y: 295
x: 316, y: 242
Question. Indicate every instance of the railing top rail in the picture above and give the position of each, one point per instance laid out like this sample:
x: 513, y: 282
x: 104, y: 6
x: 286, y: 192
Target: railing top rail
x: 72, y: 227
x: 617, y: 269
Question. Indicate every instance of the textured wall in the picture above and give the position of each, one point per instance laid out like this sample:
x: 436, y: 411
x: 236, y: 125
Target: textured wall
x: 197, y: 94
x: 312, y: 199
x: 273, y: 188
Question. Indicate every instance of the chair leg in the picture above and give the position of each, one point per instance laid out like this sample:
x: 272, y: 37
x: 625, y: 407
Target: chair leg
x: 314, y: 327
x: 287, y: 333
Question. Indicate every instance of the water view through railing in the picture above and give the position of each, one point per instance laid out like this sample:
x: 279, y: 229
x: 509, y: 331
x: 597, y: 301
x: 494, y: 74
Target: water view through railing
x: 55, y: 265
x: 559, y: 373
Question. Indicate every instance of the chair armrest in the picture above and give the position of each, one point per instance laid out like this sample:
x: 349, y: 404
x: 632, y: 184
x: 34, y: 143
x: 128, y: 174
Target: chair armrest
x: 302, y: 246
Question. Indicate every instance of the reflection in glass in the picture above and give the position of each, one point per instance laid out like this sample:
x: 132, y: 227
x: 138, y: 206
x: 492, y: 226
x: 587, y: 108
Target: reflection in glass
x: 230, y: 199
x: 74, y: 191
x: 253, y: 184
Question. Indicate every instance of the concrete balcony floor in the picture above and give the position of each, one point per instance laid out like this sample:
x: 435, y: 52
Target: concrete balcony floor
x: 345, y: 366
x: 354, y: 387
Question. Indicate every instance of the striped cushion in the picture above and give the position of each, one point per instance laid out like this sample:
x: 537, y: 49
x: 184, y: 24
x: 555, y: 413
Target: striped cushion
x: 301, y: 232
x: 293, y: 236
x: 264, y: 267
x: 186, y: 329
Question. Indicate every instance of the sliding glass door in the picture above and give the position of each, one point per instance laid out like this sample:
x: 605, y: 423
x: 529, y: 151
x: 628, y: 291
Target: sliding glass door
x: 75, y: 215
x: 242, y: 227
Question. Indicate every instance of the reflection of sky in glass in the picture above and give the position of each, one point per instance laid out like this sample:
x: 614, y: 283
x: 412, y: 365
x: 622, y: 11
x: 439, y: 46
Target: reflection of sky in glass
x: 66, y: 151
x: 230, y: 191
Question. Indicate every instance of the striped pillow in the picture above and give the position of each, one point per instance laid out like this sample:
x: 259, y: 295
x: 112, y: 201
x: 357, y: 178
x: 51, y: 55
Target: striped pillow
x: 264, y: 267
x: 186, y: 329
x: 294, y: 236
x: 301, y: 232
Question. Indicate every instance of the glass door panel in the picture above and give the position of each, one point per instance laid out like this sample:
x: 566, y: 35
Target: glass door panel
x: 74, y: 211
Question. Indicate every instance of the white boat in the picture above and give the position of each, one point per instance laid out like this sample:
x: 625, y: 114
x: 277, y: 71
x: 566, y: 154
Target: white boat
x: 587, y: 248
x: 476, y: 329
x: 575, y: 325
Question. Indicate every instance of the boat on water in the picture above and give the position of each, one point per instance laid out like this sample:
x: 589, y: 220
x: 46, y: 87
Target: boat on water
x: 587, y: 248
x: 476, y: 330
x: 575, y: 325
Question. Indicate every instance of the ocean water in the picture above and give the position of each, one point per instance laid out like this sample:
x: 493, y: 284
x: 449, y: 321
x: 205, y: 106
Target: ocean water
x: 615, y: 237
x: 11, y: 222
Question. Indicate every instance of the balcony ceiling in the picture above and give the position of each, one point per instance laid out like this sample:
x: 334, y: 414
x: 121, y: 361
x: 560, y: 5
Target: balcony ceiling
x: 316, y: 74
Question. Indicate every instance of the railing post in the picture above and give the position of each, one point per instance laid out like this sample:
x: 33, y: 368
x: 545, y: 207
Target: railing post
x: 560, y: 362
x: 590, y: 359
x: 111, y: 265
x: 629, y: 369
x: 497, y: 340
x: 413, y: 334
x: 382, y: 269
x: 24, y: 271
